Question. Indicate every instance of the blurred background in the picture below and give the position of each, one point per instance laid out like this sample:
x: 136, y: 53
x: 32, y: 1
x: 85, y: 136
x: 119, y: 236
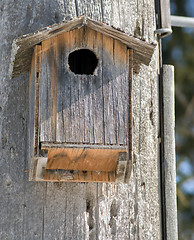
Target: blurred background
x: 178, y: 50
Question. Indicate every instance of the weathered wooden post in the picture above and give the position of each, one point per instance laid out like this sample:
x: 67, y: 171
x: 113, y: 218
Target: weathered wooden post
x: 115, y: 188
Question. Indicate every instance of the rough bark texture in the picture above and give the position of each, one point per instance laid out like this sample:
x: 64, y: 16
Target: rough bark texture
x: 32, y: 210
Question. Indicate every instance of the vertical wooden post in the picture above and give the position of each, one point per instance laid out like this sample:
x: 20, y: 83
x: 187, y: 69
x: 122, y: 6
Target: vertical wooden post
x: 34, y: 210
x: 169, y: 152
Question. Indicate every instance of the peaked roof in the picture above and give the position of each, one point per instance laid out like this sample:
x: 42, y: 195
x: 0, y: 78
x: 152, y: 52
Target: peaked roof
x: 22, y: 48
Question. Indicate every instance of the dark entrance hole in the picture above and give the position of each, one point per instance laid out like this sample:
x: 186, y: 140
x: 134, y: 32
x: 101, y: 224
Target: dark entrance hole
x: 82, y: 61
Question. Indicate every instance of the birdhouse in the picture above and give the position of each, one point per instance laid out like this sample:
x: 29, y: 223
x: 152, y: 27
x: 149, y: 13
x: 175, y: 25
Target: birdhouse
x: 80, y: 94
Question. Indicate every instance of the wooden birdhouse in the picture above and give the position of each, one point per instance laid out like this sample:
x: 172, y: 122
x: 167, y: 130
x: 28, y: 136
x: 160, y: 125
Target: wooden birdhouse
x: 80, y: 94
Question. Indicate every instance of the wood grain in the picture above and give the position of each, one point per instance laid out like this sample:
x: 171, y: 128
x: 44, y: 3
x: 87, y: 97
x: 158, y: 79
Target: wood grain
x: 130, y: 118
x: 69, y: 176
x: 144, y: 50
x: 47, y: 210
x: 34, y: 109
x: 84, y: 108
x: 22, y: 48
x: 83, y: 159
x: 115, y: 91
x: 48, y: 145
x: 169, y: 152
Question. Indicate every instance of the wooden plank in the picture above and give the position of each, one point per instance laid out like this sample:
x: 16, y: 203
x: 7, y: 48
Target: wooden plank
x: 37, y: 80
x: 83, y: 159
x: 46, y: 106
x: 69, y: 176
x: 79, y: 97
x: 64, y: 132
x: 144, y: 49
x: 85, y: 123
x: 60, y: 175
x: 130, y: 119
x: 47, y: 145
x: 115, y: 91
x: 81, y: 107
x: 169, y: 152
x: 34, y: 108
x: 68, y: 102
x: 54, y: 66
x: 62, y: 63
x: 93, y: 41
x: 22, y: 48
x: 41, y: 173
x: 108, y: 78
x: 65, y: 90
x: 121, y: 90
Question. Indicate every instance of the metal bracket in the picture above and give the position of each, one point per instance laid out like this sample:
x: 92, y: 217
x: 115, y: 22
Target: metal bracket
x: 163, y: 32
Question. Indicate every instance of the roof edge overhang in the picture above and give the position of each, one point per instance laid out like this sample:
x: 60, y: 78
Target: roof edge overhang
x: 22, y: 48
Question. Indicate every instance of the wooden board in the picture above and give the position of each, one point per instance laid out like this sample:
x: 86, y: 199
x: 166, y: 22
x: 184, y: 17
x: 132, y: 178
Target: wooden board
x: 84, y: 108
x: 84, y: 163
x: 22, y: 48
x: 33, y: 131
x: 41, y: 173
x: 83, y: 159
x: 42, y: 210
x: 78, y: 176
x: 169, y: 165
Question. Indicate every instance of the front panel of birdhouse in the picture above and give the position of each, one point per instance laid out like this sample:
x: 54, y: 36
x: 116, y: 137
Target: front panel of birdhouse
x: 80, y: 108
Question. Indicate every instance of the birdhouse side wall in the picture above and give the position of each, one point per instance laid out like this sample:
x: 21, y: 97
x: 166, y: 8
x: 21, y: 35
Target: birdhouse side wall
x: 33, y: 131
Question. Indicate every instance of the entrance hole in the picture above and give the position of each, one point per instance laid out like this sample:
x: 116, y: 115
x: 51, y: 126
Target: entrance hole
x: 82, y: 61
